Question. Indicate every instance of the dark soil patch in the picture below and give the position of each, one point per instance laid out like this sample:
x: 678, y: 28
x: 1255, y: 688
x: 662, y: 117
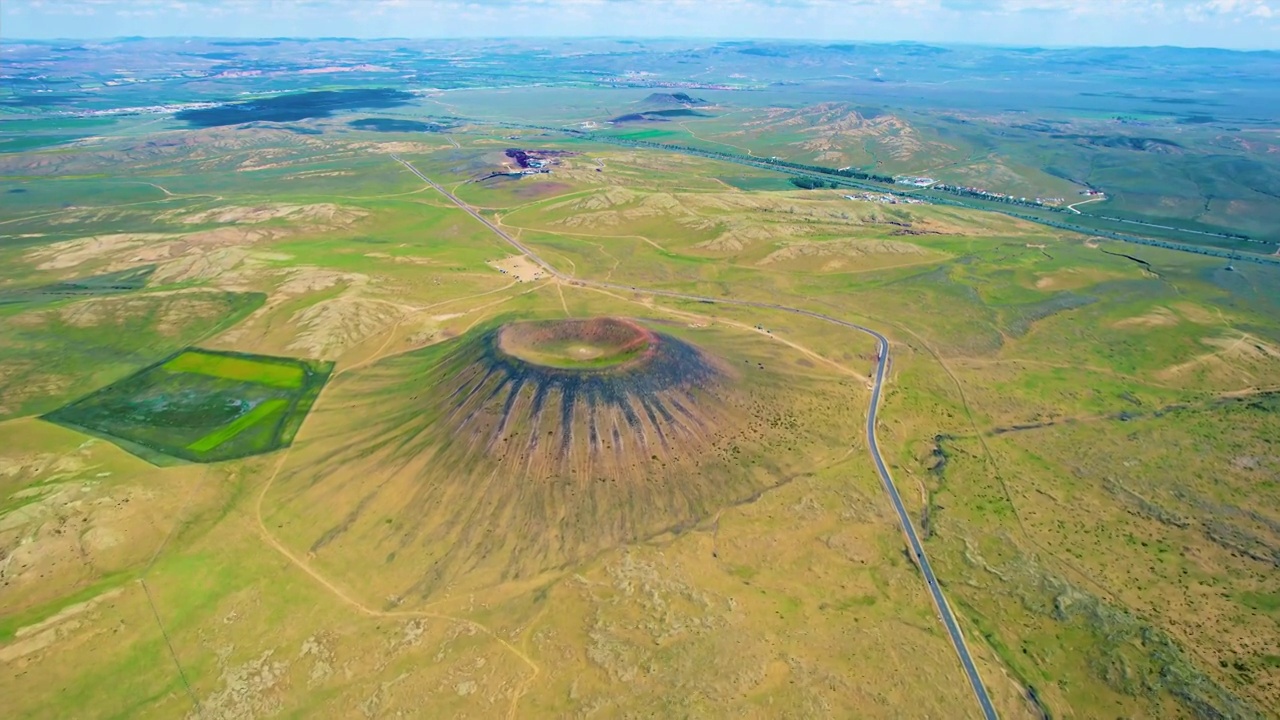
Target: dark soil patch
x: 394, y: 125
x: 293, y: 107
x: 677, y: 98
x: 97, y: 285
x: 657, y: 115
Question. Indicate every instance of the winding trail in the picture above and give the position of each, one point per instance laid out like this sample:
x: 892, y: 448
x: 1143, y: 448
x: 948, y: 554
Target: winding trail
x: 1072, y: 206
x: 348, y: 599
x: 337, y: 591
x: 904, y: 519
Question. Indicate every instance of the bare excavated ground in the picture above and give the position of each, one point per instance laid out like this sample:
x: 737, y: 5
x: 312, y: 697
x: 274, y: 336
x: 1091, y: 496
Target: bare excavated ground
x: 519, y: 267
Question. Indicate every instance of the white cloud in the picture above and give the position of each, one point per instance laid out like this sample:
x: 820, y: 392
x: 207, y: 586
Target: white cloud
x: 1222, y: 22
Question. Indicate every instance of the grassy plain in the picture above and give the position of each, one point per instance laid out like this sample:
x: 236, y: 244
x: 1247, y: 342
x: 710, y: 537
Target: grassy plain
x: 1086, y: 442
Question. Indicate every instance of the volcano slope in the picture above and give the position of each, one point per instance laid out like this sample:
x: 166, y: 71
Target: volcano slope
x: 529, y: 446
x: 590, y: 398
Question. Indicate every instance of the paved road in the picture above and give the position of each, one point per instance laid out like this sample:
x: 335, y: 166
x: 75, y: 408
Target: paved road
x: 904, y: 519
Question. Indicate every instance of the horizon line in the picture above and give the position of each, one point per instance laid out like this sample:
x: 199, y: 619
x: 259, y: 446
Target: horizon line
x: 828, y: 42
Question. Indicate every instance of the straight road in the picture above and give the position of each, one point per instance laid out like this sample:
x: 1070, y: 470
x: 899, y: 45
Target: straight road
x: 904, y: 519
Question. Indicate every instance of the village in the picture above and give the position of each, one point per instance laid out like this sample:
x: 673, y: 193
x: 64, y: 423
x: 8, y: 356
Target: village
x: 885, y: 199
x: 977, y: 192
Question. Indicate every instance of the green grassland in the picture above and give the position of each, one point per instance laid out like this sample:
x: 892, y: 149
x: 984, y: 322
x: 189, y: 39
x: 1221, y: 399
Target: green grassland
x: 1190, y: 179
x: 1036, y: 329
x: 54, y: 354
x: 757, y: 182
x: 1086, y: 442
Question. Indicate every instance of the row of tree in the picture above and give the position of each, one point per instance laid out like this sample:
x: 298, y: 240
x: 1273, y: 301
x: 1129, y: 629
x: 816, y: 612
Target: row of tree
x: 808, y: 182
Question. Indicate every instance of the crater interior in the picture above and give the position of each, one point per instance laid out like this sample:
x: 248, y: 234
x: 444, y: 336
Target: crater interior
x: 581, y: 344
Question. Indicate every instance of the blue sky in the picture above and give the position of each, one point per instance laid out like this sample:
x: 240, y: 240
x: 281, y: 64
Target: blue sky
x: 1249, y: 24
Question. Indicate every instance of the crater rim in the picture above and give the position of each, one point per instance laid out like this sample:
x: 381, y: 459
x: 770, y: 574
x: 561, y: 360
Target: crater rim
x: 577, y: 345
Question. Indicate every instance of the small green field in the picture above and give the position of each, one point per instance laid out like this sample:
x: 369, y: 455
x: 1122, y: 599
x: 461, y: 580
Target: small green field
x: 202, y: 406
x: 278, y: 373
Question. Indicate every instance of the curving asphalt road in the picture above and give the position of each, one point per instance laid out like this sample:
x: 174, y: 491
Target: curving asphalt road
x: 904, y: 519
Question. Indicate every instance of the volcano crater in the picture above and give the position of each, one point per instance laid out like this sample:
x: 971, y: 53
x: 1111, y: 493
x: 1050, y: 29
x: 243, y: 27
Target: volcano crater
x: 582, y: 344
x: 564, y: 397
x: 534, y: 444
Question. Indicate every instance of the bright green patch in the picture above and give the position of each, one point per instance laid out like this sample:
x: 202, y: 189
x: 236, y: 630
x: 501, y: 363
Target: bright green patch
x: 856, y: 601
x: 1267, y: 602
x: 265, y: 371
x: 10, y: 624
x: 253, y: 417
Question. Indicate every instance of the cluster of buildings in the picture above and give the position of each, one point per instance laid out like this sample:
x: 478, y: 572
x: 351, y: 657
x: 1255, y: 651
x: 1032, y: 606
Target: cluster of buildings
x: 920, y: 182
x: 523, y: 171
x: 998, y: 196
x: 141, y: 110
x: 632, y: 78
x: 885, y: 199
x: 509, y: 171
x: 983, y: 194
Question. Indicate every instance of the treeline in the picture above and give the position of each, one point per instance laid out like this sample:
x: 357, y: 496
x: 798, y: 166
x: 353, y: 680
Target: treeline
x: 844, y: 173
x: 807, y: 182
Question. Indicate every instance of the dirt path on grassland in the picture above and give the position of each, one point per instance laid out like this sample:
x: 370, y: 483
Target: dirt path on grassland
x: 349, y: 600
x: 340, y: 593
